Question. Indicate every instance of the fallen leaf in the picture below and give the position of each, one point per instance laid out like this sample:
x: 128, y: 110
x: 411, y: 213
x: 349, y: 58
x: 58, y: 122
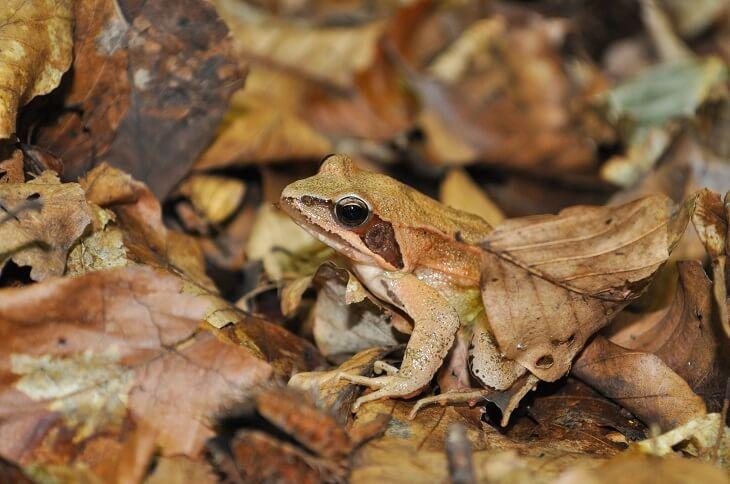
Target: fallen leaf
x: 281, y: 245
x: 550, y: 282
x: 640, y: 382
x: 345, y: 323
x: 42, y: 238
x: 157, y: 117
x: 215, y: 197
x: 684, y: 335
x: 81, y: 373
x: 179, y: 470
x: 459, y: 191
x: 35, y: 50
x: 702, y: 433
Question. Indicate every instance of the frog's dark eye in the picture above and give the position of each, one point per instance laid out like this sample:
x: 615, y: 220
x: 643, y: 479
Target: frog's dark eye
x: 352, y: 211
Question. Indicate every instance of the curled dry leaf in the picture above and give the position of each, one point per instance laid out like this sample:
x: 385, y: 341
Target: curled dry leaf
x: 80, y: 374
x: 214, y: 197
x: 640, y: 382
x: 704, y: 433
x: 550, y: 282
x: 684, y: 335
x: 42, y: 237
x: 151, y: 82
x: 36, y: 45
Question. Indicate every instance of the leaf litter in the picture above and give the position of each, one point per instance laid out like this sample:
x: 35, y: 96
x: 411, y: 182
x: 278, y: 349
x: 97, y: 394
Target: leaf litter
x: 163, y: 321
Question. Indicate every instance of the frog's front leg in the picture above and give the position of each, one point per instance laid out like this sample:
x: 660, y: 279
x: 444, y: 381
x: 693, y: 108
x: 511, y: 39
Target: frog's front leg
x: 435, y: 326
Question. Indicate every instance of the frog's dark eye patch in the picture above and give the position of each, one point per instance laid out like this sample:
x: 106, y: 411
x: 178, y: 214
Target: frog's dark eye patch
x: 352, y: 212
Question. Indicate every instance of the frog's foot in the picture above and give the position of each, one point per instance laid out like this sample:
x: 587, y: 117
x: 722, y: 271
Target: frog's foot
x: 454, y: 396
x: 383, y: 367
x: 386, y: 386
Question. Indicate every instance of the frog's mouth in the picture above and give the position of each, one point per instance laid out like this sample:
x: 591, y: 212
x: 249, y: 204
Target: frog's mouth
x: 294, y: 207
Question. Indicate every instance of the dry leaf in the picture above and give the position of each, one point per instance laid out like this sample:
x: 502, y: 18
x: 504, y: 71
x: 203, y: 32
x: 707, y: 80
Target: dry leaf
x: 154, y: 120
x: 640, y: 382
x: 36, y: 44
x: 459, y: 191
x: 11, y: 169
x: 282, y: 245
x: 214, y: 197
x: 41, y: 238
x: 81, y: 373
x: 550, y: 282
x: 684, y: 335
x: 347, y: 319
x: 702, y: 433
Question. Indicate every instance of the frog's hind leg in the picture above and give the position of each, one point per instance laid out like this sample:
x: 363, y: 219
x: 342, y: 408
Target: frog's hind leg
x: 451, y: 397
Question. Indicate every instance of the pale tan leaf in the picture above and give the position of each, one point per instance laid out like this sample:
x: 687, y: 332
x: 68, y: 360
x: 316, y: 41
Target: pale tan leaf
x: 214, y: 197
x: 550, y: 282
x: 36, y: 42
x: 459, y: 191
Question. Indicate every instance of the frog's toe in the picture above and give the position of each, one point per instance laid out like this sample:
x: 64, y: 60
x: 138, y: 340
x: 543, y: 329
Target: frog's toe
x: 370, y: 382
x: 451, y: 397
x: 395, y: 386
x: 383, y: 367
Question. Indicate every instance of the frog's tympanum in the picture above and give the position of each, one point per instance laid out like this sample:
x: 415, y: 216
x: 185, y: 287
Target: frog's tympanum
x: 416, y: 254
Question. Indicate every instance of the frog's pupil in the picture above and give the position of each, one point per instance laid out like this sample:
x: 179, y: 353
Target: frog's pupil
x: 352, y: 213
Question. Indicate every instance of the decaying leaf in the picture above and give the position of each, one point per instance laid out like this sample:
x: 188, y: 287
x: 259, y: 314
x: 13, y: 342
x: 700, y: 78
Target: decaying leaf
x: 151, y: 82
x: 640, y: 382
x: 41, y: 238
x: 684, y: 335
x: 83, y: 372
x: 550, y: 282
x: 36, y: 43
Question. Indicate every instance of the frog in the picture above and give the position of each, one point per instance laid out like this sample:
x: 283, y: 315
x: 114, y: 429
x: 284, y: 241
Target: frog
x: 411, y: 252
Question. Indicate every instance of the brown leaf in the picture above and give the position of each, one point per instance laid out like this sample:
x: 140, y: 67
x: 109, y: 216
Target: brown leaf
x: 640, y: 382
x: 36, y: 43
x: 151, y: 82
x: 684, y: 335
x: 550, y: 282
x: 214, y: 197
x: 42, y: 238
x: 132, y: 352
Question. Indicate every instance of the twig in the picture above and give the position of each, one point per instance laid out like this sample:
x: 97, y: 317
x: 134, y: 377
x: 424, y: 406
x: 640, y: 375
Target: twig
x: 723, y: 419
x: 25, y: 206
x: 458, y: 452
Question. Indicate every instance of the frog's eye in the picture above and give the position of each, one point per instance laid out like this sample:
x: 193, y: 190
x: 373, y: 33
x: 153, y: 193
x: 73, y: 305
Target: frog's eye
x: 352, y: 211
